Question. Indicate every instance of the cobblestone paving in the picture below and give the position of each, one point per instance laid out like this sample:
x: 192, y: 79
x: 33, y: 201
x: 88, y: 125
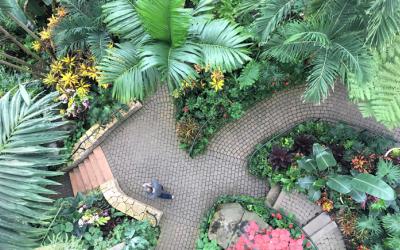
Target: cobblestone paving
x: 146, y: 146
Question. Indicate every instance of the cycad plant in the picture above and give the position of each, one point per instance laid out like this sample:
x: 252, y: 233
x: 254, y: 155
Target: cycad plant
x: 333, y: 39
x: 82, y: 28
x: 160, y: 41
x: 28, y: 129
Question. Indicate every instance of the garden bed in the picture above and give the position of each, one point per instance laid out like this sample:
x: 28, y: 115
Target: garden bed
x: 89, y: 222
x: 264, y: 227
x: 345, y: 171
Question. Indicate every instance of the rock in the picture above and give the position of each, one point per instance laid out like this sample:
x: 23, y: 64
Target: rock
x: 225, y: 223
x: 229, y: 222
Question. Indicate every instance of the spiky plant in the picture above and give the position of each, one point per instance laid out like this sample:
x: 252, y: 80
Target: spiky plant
x: 82, y: 28
x: 279, y: 158
x: 389, y: 172
x: 369, y: 227
x: 160, y: 42
x: 347, y: 222
x: 28, y: 127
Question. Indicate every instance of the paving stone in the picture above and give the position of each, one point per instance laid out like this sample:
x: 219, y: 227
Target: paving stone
x: 329, y: 238
x: 297, y: 204
x: 317, y: 223
x: 145, y: 146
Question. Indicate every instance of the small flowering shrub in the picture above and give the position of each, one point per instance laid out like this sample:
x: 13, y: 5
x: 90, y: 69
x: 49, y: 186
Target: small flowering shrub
x: 216, y: 97
x: 267, y: 239
x: 346, y: 172
x: 97, y: 225
x: 283, y: 231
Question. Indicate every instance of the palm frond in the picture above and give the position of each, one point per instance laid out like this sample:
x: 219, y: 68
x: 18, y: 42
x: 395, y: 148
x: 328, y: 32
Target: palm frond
x: 322, y: 76
x: 249, y: 75
x: 98, y: 43
x: 27, y: 128
x: 122, y: 19
x: 383, y: 22
x: 81, y: 28
x: 296, y: 41
x: 123, y: 67
x: 272, y: 14
x: 222, y: 44
x: 175, y: 64
x: 166, y: 21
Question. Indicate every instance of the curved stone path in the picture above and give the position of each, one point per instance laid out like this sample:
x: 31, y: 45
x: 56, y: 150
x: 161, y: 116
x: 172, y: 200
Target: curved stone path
x: 146, y: 146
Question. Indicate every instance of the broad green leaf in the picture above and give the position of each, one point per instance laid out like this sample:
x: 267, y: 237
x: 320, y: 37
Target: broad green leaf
x: 166, y: 21
x: 306, y: 182
x: 323, y: 157
x: 307, y: 164
x: 374, y: 186
x: 357, y: 196
x: 340, y: 183
x: 314, y: 195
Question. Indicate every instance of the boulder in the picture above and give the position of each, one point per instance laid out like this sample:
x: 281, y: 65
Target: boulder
x: 229, y: 222
x: 225, y: 223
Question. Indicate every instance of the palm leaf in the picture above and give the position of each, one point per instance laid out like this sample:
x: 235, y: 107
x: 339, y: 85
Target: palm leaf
x: 124, y: 69
x: 166, y: 21
x: 24, y: 155
x: 272, y: 14
x: 175, y: 64
x: 383, y: 22
x: 122, y: 19
x: 323, y: 74
x: 98, y: 43
x: 222, y: 44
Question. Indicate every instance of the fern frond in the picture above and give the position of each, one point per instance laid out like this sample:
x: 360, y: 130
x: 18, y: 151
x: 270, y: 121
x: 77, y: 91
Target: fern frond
x: 272, y: 14
x: 131, y: 80
x: 250, y: 74
x: 98, y: 43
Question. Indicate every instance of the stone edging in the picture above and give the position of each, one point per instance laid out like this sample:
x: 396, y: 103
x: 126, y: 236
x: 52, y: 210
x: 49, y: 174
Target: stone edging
x: 96, y: 135
x: 316, y: 224
x: 127, y: 205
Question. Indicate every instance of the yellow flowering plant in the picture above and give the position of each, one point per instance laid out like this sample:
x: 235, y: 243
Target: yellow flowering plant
x: 73, y: 76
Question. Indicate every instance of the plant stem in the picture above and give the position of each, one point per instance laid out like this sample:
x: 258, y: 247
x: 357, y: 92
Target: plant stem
x: 23, y: 26
x: 20, y: 45
x: 22, y: 69
x: 15, y: 59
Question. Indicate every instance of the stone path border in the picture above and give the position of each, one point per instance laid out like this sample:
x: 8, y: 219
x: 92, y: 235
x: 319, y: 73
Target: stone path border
x: 146, y: 146
x: 317, y: 225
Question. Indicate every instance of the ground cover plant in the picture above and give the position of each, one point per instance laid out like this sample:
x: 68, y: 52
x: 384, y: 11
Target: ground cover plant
x: 342, y: 169
x: 282, y: 227
x: 94, y: 224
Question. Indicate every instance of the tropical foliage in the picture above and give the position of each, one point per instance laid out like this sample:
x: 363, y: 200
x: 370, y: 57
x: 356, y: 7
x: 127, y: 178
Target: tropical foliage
x: 345, y: 171
x: 90, y: 222
x: 29, y: 127
x: 253, y: 236
x: 161, y: 40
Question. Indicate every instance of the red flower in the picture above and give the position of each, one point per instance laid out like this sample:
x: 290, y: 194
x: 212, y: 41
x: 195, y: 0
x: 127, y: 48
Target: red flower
x: 286, y: 83
x: 279, y: 216
x: 273, y: 215
x: 290, y: 225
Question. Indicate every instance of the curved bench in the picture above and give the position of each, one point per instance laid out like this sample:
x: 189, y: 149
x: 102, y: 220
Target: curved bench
x: 127, y: 205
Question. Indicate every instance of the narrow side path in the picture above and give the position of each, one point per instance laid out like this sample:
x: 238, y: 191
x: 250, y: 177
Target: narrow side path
x: 146, y: 146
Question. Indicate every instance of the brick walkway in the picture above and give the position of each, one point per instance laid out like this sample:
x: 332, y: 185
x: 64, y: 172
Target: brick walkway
x: 146, y: 146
